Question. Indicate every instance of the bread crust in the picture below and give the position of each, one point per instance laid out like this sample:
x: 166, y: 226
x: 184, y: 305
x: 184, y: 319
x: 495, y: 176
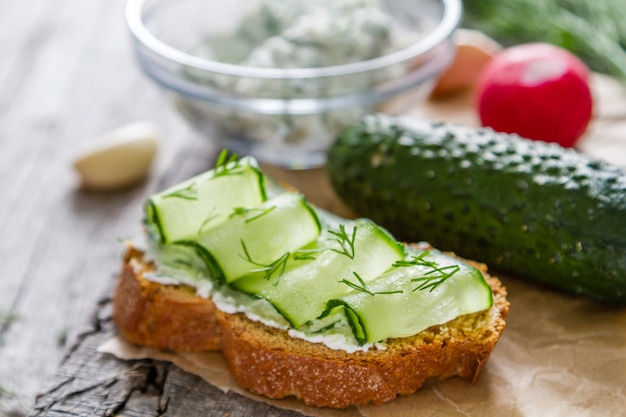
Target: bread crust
x: 267, y: 361
x: 164, y: 317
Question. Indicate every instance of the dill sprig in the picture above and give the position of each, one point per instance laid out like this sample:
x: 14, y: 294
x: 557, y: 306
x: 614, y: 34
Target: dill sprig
x: 362, y: 286
x: 593, y: 30
x: 345, y: 241
x: 227, y: 165
x: 190, y: 192
x: 210, y: 217
x: 277, y: 267
x: 307, y: 254
x: 433, y: 278
x: 240, y: 211
x: 418, y: 260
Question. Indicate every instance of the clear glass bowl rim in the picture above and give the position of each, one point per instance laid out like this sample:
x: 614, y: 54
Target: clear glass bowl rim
x: 452, y: 10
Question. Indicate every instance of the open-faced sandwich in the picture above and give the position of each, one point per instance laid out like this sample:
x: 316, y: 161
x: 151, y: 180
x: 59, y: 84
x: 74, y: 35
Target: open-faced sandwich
x: 302, y: 303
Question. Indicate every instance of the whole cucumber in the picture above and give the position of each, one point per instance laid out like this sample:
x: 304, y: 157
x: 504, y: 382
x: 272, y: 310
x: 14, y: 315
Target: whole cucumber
x: 530, y: 208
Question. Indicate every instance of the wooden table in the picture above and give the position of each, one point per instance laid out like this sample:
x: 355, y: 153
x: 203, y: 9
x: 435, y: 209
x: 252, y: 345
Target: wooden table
x: 67, y: 74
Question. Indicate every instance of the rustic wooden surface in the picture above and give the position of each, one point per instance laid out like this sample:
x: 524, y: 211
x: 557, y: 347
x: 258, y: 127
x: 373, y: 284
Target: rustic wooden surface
x: 91, y: 384
x: 67, y: 75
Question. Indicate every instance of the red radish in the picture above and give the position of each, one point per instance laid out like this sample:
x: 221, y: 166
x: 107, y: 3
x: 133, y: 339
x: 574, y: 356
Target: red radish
x: 537, y: 90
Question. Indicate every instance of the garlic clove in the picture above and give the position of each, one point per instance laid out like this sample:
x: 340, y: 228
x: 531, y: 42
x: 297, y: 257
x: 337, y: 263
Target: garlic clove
x: 120, y: 158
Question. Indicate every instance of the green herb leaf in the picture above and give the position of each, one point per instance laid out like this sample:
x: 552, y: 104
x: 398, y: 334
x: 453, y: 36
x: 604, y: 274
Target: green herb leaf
x: 306, y: 254
x: 276, y: 267
x: 240, y: 211
x: 190, y: 192
x: 433, y: 278
x: 362, y: 286
x: 210, y: 217
x: 436, y: 277
x: 593, y: 30
x: 345, y: 242
x: 227, y: 165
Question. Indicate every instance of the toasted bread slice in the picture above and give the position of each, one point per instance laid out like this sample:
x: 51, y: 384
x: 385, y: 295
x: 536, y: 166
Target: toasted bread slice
x: 267, y: 361
x: 164, y: 317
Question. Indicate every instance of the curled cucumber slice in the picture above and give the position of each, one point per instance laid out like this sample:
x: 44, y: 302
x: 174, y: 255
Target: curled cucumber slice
x: 426, y: 289
x: 193, y: 207
x: 259, y: 238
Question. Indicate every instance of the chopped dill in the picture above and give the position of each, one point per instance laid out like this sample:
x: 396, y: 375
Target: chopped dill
x: 306, y: 254
x: 433, y: 281
x: 362, y: 286
x: 433, y: 278
x: 227, y: 165
x: 240, y: 211
x: 277, y: 267
x: 210, y: 217
x: 190, y: 192
x: 345, y: 242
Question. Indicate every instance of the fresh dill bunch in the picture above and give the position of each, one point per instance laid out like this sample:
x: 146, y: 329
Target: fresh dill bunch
x: 594, y: 30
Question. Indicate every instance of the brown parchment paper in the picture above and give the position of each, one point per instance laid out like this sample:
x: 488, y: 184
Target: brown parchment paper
x: 558, y: 356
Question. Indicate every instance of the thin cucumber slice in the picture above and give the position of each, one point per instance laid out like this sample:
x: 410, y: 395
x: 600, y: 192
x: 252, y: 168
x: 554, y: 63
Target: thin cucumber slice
x: 432, y: 288
x: 191, y: 208
x: 178, y: 264
x: 258, y: 239
x: 302, y: 292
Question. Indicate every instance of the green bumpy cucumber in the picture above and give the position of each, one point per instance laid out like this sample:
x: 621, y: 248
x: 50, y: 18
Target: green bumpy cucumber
x: 533, y: 209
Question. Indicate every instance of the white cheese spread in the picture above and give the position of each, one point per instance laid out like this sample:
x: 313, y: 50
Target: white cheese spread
x: 176, y: 265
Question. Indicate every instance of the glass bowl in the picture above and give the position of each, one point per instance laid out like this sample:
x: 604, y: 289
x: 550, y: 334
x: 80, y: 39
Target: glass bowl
x: 278, y: 79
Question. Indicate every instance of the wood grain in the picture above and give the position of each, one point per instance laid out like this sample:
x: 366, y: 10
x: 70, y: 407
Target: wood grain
x: 67, y: 76
x: 94, y: 384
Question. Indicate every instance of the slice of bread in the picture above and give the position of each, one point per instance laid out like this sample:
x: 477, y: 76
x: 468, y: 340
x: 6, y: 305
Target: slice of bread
x: 164, y: 317
x: 267, y: 361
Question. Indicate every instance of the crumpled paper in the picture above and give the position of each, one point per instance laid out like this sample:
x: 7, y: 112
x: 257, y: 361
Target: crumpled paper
x: 559, y: 355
